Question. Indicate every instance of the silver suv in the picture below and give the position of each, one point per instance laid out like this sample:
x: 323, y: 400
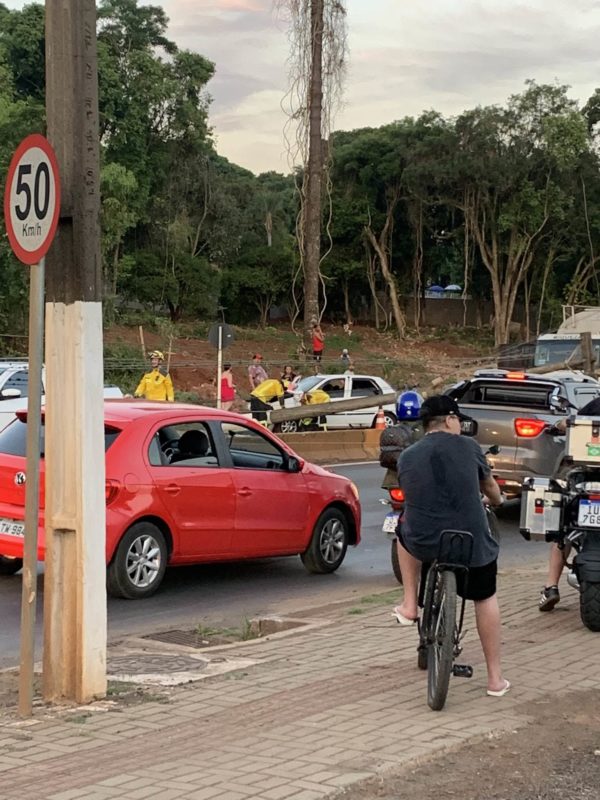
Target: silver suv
x: 513, y: 410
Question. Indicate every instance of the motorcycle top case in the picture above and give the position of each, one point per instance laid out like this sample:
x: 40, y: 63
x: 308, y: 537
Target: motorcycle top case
x: 583, y: 440
x: 542, y: 504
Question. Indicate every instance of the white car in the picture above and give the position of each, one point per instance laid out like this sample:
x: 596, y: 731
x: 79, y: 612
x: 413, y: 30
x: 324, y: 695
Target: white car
x: 14, y: 386
x: 343, y: 387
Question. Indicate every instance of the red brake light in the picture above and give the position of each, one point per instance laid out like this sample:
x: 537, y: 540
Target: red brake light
x: 528, y: 428
x: 397, y: 495
x: 111, y: 490
x: 515, y: 376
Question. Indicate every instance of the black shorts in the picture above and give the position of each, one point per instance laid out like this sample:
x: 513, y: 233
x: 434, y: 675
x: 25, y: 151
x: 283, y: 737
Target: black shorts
x: 478, y: 584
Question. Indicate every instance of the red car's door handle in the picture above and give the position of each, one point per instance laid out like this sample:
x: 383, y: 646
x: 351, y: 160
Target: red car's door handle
x: 172, y: 488
x: 245, y: 492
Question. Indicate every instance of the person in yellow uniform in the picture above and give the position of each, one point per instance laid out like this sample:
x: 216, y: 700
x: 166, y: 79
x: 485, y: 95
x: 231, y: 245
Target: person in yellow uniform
x: 265, y: 393
x: 312, y: 398
x: 156, y: 384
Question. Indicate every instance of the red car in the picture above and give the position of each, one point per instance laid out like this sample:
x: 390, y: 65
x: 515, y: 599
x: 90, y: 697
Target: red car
x: 186, y: 485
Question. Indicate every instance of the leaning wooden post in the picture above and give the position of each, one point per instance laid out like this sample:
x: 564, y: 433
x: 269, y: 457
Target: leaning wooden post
x: 74, y: 591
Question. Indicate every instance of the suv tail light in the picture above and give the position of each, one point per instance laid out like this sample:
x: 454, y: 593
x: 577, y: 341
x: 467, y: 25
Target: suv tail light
x: 111, y: 490
x: 397, y: 495
x: 529, y: 428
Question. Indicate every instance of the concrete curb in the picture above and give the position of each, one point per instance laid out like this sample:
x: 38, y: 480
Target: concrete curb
x: 328, y: 447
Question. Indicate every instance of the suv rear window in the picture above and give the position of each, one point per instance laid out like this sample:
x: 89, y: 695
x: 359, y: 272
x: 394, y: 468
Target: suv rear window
x: 13, y: 439
x: 508, y: 393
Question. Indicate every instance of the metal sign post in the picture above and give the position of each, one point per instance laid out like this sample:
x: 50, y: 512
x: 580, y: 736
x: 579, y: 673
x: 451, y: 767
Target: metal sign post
x: 220, y: 336
x: 31, y: 209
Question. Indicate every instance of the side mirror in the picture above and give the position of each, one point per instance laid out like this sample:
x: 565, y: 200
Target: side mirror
x: 558, y: 403
x: 10, y: 394
x: 469, y: 427
x: 294, y: 464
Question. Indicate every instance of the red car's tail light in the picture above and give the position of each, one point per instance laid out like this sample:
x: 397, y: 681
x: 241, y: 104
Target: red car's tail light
x: 111, y: 490
x: 529, y: 428
x: 397, y: 495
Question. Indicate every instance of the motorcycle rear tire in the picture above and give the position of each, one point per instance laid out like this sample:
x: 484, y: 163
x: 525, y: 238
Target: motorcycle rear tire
x: 396, y: 562
x: 589, y: 605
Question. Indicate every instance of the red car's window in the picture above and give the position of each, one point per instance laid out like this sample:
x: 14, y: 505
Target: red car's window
x: 249, y: 449
x: 185, y: 444
x: 13, y: 439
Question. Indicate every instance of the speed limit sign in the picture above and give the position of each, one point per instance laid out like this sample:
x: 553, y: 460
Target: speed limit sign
x: 32, y: 199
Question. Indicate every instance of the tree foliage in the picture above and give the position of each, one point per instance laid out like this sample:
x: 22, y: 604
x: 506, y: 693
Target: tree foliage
x: 503, y: 200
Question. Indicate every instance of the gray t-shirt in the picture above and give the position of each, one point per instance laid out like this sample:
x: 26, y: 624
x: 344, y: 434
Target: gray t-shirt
x: 440, y: 477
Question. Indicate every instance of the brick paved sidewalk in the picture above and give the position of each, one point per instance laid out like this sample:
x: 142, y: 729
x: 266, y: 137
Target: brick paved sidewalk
x: 318, y: 711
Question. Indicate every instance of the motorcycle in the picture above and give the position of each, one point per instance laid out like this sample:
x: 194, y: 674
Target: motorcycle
x: 393, y: 517
x: 566, y: 510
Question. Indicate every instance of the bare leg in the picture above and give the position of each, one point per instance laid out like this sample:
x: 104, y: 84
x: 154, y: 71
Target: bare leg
x: 411, y: 572
x: 487, y: 616
x: 556, y: 564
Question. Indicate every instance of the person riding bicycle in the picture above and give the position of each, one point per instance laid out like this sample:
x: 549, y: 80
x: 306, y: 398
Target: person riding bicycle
x: 442, y: 476
x: 550, y: 595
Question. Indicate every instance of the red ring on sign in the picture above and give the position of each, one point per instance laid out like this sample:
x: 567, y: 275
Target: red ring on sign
x: 32, y: 256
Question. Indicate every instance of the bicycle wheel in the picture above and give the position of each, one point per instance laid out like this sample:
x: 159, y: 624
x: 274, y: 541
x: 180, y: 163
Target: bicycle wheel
x: 425, y: 621
x: 442, y: 625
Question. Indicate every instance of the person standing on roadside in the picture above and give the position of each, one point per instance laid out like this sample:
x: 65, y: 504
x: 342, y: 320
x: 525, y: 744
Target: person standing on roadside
x: 256, y: 372
x: 288, y: 376
x: 156, y: 384
x: 318, y: 342
x: 227, y: 388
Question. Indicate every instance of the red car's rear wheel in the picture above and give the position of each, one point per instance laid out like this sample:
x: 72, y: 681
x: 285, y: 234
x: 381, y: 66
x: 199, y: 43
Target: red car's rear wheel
x: 139, y: 563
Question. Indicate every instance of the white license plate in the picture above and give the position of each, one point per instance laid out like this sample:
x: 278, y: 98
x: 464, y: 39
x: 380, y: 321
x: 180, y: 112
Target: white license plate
x: 390, y: 522
x: 589, y: 514
x: 12, y: 528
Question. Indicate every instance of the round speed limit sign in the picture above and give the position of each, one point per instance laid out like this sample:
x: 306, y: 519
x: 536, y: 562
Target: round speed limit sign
x: 32, y: 199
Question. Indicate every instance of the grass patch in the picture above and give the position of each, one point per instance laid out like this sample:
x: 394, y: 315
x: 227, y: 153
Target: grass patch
x: 371, y: 600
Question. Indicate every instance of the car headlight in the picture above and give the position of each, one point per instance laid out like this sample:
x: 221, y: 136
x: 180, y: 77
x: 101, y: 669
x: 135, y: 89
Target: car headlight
x: 355, y: 491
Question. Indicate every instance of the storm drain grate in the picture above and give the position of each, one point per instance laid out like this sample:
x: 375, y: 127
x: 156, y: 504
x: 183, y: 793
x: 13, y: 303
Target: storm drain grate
x: 257, y: 628
x: 189, y: 638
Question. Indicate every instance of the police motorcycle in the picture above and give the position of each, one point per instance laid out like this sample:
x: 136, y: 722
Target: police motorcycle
x: 565, y: 509
x: 407, y: 411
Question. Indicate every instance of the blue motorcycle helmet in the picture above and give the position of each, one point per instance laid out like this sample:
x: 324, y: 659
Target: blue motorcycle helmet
x: 408, y: 405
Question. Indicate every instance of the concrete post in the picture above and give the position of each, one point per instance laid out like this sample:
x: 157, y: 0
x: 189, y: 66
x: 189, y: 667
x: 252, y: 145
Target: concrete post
x: 75, y: 593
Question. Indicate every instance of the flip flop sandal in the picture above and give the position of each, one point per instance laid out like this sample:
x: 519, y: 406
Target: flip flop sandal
x: 402, y: 620
x: 500, y: 692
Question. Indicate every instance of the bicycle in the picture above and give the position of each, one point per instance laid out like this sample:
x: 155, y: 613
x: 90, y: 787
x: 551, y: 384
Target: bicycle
x: 439, y: 632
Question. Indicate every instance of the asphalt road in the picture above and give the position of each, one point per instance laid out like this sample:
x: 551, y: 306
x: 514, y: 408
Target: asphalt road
x: 224, y: 595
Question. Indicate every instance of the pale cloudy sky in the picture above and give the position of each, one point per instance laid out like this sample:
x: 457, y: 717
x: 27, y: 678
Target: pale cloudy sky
x: 405, y: 56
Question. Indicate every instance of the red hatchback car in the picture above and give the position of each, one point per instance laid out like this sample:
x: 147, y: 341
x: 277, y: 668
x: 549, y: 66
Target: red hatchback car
x: 186, y: 485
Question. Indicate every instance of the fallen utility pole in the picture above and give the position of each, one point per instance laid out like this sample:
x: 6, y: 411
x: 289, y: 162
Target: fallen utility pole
x: 334, y: 407
x: 74, y: 590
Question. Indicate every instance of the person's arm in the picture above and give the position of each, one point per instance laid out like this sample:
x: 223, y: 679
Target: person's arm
x: 169, y: 388
x: 491, y: 490
x: 141, y: 389
x: 251, y: 378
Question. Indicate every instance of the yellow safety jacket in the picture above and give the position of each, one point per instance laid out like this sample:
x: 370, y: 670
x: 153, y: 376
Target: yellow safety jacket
x: 316, y: 396
x: 156, y: 386
x: 269, y: 390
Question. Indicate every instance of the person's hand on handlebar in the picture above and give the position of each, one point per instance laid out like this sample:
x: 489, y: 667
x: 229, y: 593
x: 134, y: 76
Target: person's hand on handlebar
x: 558, y: 429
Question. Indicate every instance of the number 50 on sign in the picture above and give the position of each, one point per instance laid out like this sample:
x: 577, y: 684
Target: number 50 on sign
x: 32, y: 199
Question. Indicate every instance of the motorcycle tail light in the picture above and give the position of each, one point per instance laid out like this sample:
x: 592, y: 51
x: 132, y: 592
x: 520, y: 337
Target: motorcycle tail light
x: 397, y: 495
x: 529, y: 428
x: 111, y: 490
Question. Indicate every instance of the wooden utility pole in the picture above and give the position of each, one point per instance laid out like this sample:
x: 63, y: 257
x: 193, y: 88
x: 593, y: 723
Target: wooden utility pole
x: 587, y: 353
x: 314, y: 179
x: 74, y: 591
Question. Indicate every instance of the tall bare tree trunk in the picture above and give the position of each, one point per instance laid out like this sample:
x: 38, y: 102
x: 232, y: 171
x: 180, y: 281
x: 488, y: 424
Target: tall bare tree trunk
x: 312, y: 205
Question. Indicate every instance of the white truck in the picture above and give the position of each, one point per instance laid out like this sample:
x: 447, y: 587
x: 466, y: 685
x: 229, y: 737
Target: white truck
x: 554, y: 348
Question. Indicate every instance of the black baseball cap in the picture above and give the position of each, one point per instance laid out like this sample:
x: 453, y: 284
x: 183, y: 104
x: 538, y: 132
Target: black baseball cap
x: 442, y: 405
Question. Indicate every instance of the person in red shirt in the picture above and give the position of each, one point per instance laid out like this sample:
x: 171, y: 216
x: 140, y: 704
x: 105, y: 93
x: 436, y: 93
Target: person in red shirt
x: 318, y: 341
